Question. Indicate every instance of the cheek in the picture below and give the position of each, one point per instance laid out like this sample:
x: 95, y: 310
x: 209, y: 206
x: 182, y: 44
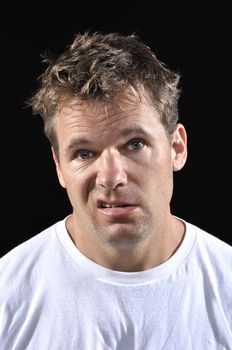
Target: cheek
x: 79, y: 185
x: 160, y: 178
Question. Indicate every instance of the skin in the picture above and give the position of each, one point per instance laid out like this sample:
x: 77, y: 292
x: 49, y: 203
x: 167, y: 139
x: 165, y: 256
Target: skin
x: 120, y: 154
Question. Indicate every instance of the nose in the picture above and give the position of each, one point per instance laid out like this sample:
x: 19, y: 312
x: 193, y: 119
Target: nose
x: 111, y: 170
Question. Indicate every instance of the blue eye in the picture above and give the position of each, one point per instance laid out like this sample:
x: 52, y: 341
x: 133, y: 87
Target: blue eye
x: 84, y: 154
x: 135, y: 145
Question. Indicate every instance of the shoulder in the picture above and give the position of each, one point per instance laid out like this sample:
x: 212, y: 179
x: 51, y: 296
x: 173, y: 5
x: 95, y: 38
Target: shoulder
x: 212, y: 246
x: 212, y: 260
x: 24, y: 274
x: 213, y: 268
x: 19, y: 264
x: 33, y: 243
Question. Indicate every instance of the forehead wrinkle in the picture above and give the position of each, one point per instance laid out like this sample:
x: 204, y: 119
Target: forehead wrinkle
x: 133, y: 130
x: 100, y: 112
x: 84, y: 141
x: 125, y: 101
x: 81, y: 117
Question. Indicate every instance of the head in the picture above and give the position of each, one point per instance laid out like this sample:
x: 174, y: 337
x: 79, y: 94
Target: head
x: 99, y: 67
x: 110, y: 112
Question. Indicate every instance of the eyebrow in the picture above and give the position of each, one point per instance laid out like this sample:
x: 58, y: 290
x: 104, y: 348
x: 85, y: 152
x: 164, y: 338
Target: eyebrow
x: 76, y: 143
x: 138, y: 130
x: 83, y: 141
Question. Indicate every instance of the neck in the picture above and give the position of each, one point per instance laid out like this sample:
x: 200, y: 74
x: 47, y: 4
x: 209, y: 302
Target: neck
x: 133, y: 256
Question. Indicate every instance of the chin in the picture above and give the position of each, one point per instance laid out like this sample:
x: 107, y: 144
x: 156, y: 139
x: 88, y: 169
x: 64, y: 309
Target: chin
x: 124, y: 236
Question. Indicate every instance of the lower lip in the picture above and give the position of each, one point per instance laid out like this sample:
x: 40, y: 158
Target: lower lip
x: 118, y: 211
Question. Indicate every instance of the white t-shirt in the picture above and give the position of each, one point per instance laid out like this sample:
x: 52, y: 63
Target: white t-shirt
x: 54, y: 298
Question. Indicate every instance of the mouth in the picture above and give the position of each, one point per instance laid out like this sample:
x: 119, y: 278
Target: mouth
x: 115, y: 208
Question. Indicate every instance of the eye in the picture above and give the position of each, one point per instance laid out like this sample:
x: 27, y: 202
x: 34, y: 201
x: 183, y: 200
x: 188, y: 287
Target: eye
x: 84, y: 154
x: 135, y: 144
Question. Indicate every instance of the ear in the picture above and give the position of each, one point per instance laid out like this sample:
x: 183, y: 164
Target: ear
x: 58, y: 169
x: 179, y: 147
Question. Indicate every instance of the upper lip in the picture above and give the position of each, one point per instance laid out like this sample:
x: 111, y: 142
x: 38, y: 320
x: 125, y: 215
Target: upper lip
x: 114, y: 203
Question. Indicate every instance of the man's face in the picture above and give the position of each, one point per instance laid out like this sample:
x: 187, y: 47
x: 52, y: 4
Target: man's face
x: 116, y: 162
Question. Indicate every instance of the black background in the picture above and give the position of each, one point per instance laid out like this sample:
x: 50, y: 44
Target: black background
x: 194, y: 40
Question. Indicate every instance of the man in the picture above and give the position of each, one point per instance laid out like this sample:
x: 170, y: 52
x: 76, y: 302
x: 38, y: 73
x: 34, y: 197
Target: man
x: 120, y: 272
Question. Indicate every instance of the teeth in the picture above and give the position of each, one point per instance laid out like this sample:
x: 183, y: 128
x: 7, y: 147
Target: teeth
x: 106, y: 205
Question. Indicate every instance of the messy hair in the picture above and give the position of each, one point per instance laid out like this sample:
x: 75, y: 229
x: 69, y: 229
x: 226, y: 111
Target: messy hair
x: 100, y: 66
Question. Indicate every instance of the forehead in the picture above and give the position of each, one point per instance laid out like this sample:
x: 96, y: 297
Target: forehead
x: 126, y: 107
